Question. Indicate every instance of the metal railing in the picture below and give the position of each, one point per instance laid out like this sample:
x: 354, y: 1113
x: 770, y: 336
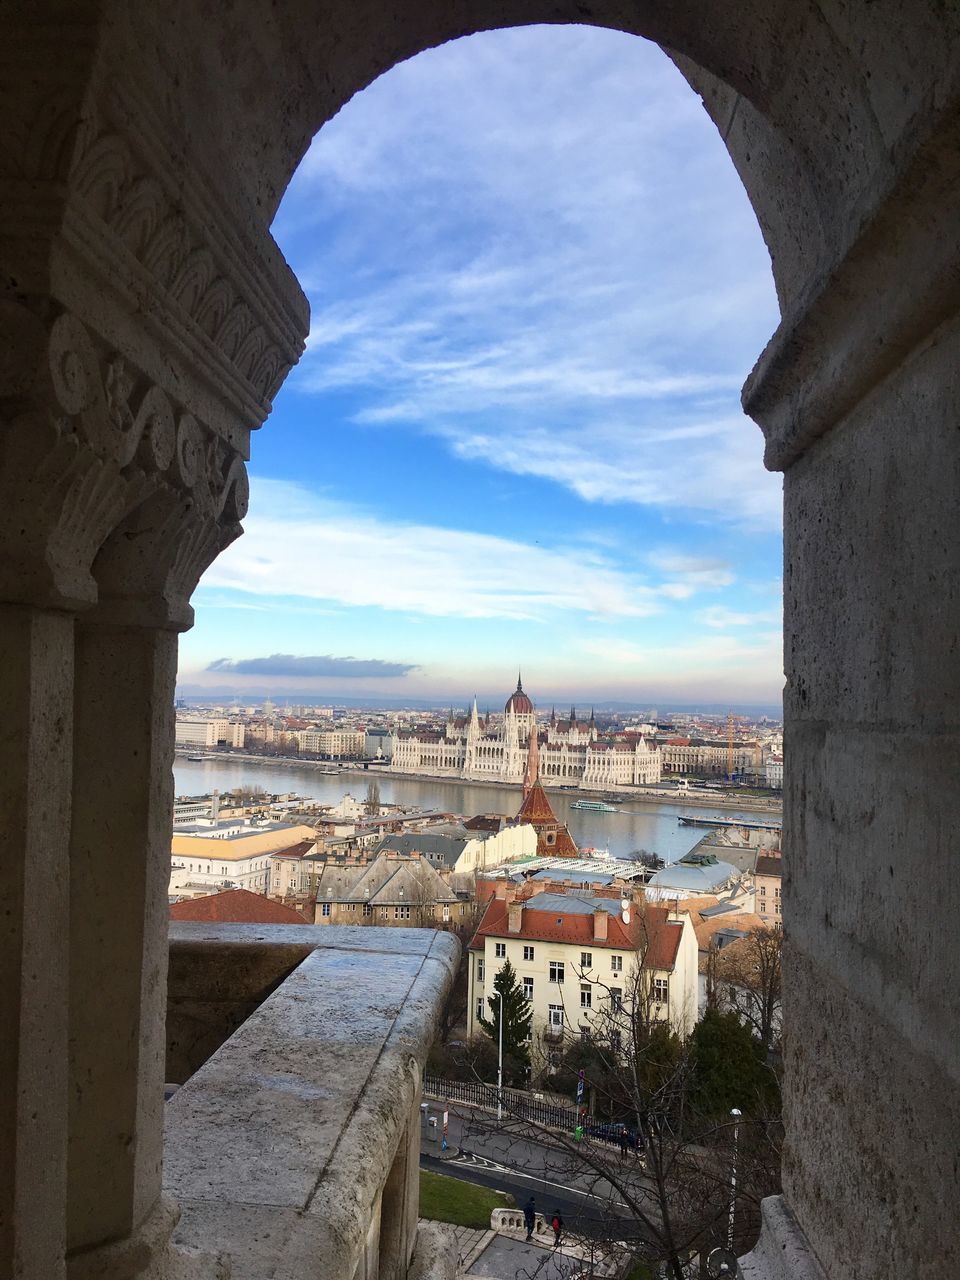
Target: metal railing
x: 515, y: 1101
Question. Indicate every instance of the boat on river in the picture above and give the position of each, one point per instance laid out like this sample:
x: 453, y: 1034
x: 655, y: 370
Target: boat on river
x: 594, y: 806
x: 687, y: 820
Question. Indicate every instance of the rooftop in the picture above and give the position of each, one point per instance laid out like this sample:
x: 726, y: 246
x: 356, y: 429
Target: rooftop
x: 650, y: 930
x: 235, y: 906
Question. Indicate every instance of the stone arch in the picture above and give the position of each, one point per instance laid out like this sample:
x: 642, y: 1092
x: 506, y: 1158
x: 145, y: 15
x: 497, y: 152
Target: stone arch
x: 843, y: 120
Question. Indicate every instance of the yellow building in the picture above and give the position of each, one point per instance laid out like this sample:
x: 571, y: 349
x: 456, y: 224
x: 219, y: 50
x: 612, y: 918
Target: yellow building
x: 207, y: 856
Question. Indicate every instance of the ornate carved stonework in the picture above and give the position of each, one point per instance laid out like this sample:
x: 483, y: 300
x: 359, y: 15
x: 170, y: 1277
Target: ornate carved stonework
x: 108, y: 486
x: 99, y: 212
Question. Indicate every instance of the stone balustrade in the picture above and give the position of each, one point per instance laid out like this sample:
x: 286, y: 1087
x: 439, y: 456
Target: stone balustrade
x: 293, y: 1149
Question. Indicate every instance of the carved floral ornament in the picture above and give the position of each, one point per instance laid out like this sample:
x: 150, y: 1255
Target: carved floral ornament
x: 90, y: 446
x: 131, y: 421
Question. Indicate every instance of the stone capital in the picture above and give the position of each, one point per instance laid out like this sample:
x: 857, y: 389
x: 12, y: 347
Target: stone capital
x: 111, y: 491
x: 144, y: 330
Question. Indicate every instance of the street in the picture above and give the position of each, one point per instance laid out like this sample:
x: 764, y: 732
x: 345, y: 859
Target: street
x: 479, y: 1153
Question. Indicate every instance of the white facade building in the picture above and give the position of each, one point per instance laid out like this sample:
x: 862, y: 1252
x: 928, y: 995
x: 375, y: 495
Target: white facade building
x: 575, y: 953
x: 571, y: 751
x: 209, y: 733
x: 336, y: 743
x: 235, y: 855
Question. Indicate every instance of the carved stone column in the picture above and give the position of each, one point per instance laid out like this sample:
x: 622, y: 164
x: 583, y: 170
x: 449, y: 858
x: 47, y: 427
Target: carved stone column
x: 142, y: 334
x: 36, y: 668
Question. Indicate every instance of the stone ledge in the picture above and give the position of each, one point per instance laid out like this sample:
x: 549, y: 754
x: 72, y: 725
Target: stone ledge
x: 782, y: 1252
x: 278, y: 1148
x: 436, y: 1256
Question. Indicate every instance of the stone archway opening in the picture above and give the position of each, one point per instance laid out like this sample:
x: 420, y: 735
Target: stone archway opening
x: 419, y: 353
x: 147, y: 322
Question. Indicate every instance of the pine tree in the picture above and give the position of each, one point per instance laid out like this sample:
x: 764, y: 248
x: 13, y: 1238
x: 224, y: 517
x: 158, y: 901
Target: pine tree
x: 517, y: 1014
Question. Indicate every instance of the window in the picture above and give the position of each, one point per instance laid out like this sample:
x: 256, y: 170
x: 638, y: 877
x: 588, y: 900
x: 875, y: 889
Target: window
x: 586, y: 959
x: 446, y: 913
x: 528, y: 953
x: 661, y: 990
x: 479, y: 970
x: 325, y: 909
x: 616, y: 998
x: 462, y: 908
x: 616, y: 964
x: 367, y: 909
x: 479, y: 1009
x: 383, y: 913
x: 586, y: 995
x: 401, y: 913
x: 555, y: 1016
x: 528, y: 988
x: 500, y: 950
x: 556, y: 971
x: 615, y: 1041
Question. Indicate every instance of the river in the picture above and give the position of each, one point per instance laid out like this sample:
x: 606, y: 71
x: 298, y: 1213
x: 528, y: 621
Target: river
x: 650, y: 827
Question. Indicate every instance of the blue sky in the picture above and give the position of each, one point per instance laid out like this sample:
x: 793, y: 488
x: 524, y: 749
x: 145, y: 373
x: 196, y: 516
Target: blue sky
x: 515, y: 437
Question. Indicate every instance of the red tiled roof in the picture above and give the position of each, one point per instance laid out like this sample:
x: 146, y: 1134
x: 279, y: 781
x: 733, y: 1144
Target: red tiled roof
x: 536, y: 806
x: 235, y: 906
x: 297, y: 850
x: 649, y: 929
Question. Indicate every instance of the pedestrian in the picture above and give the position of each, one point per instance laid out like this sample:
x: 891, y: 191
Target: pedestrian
x: 624, y: 1140
x: 557, y: 1223
x: 530, y: 1217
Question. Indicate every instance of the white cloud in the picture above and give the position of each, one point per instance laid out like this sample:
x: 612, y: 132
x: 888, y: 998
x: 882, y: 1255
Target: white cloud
x: 301, y: 546
x: 702, y: 660
x: 721, y: 617
x: 568, y: 286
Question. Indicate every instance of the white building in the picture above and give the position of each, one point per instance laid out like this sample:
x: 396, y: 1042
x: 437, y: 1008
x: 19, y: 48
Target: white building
x: 457, y: 849
x: 335, y: 743
x: 578, y: 955
x: 775, y: 771
x: 209, y: 856
x: 209, y: 733
x: 571, y: 751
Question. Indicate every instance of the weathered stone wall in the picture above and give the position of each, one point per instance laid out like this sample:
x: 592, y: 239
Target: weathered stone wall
x: 873, y: 620
x: 211, y: 989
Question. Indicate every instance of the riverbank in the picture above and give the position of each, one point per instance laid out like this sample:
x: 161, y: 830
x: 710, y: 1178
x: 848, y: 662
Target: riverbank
x: 716, y: 801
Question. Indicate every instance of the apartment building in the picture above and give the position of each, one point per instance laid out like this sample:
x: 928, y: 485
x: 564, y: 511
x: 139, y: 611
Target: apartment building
x: 391, y: 889
x: 579, y: 955
x: 209, y: 733
x: 206, y: 857
x: 768, y: 885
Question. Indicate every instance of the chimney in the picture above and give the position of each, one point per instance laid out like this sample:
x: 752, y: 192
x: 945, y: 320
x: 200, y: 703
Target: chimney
x: 515, y: 917
x: 600, y: 922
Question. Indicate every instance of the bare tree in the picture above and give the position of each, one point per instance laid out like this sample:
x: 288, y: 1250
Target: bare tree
x: 748, y: 981
x: 655, y: 1153
x: 371, y: 805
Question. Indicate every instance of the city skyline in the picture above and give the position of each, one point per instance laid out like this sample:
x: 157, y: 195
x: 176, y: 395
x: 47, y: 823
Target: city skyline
x: 503, y: 445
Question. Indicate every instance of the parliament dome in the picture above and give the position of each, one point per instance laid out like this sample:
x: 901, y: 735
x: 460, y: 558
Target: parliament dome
x: 518, y: 703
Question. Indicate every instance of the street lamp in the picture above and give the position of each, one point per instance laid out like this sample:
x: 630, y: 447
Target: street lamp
x: 500, y: 1062
x: 735, y: 1113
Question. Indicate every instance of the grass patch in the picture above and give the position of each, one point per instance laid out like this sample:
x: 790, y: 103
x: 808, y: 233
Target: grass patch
x: 640, y: 1271
x: 444, y: 1199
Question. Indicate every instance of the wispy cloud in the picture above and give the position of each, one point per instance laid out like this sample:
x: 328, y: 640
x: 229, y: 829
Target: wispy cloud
x: 720, y: 617
x: 536, y: 301
x: 297, y: 545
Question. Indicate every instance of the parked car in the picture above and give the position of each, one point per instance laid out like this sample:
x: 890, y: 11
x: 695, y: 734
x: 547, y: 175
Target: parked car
x: 611, y: 1131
